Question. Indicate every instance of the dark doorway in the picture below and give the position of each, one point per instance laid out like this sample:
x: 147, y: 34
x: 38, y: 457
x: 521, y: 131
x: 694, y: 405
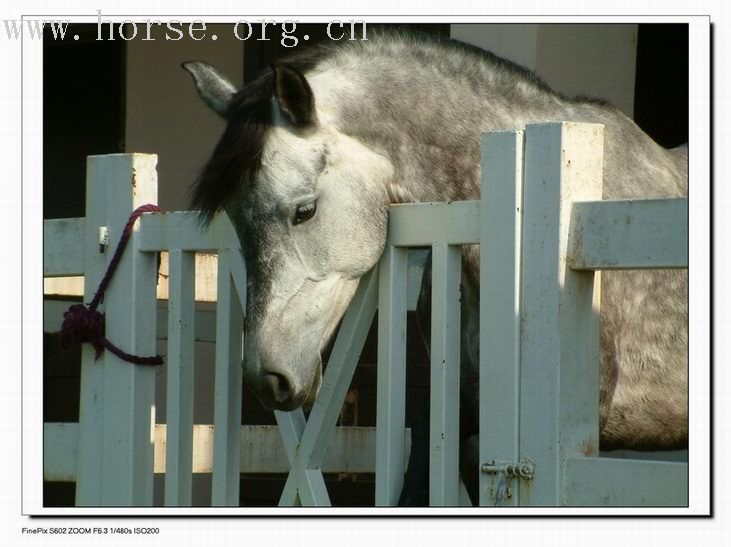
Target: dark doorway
x: 83, y: 113
x: 661, y: 82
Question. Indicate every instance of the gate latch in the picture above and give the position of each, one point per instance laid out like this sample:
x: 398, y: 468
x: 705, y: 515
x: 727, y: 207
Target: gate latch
x: 103, y: 238
x: 521, y: 470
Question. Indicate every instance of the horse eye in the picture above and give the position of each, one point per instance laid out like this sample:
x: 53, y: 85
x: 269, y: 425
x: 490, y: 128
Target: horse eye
x: 305, y: 212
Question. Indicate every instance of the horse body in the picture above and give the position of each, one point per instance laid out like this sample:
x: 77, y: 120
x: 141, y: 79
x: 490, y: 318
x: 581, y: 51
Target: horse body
x: 346, y: 130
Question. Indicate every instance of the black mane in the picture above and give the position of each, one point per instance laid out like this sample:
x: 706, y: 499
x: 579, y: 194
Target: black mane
x: 237, y: 155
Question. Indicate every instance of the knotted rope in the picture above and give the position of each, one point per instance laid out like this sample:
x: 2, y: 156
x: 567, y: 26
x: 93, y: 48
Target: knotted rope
x: 86, y: 324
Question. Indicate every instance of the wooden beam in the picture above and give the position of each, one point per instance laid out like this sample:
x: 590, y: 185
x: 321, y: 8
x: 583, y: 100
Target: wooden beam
x: 391, y: 375
x: 616, y: 482
x: 352, y: 450
x: 445, y: 365
x: 502, y: 192
x: 117, y: 407
x: 183, y: 230
x: 206, y: 266
x: 63, y: 247
x: 453, y: 223
x: 228, y: 385
x: 629, y: 234
x: 180, y: 379
x: 559, y: 344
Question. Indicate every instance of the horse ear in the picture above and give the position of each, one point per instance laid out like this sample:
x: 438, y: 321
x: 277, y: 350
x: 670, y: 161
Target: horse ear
x: 213, y: 87
x: 294, y: 96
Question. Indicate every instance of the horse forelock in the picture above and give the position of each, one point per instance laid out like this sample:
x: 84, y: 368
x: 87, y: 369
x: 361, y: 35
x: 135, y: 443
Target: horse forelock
x: 237, y: 157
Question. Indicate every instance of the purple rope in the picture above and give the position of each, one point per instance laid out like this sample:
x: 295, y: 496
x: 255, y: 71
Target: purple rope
x: 82, y: 324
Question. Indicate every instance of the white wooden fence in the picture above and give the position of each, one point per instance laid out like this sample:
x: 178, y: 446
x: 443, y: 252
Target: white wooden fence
x: 543, y: 231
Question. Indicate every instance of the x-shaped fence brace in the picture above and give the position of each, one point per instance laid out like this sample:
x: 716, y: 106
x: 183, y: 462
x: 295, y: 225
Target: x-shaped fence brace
x: 306, y: 442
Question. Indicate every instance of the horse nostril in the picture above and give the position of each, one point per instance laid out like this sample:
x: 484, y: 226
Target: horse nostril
x: 278, y: 385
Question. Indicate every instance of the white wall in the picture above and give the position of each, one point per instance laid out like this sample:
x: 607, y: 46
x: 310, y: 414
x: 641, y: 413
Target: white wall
x: 597, y: 60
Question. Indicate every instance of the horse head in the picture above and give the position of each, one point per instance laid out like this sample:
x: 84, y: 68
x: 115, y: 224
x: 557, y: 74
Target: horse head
x: 309, y: 204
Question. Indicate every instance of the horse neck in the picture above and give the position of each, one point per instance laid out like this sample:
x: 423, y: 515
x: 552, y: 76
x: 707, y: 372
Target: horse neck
x: 415, y: 184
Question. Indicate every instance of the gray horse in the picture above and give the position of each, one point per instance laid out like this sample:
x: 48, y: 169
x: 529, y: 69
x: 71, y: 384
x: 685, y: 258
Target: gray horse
x: 318, y: 147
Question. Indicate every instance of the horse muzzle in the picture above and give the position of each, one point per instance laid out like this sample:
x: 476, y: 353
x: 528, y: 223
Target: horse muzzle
x: 281, y: 389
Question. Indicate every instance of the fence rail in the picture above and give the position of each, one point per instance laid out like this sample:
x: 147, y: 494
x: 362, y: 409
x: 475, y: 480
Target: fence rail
x: 543, y: 231
x: 351, y: 450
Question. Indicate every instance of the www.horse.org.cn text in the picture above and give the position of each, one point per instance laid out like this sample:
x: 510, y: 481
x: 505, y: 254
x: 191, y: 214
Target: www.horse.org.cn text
x: 261, y: 30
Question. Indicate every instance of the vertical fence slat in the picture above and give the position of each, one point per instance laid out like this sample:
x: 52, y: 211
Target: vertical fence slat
x: 180, y: 379
x: 228, y: 385
x: 238, y: 275
x: 502, y: 182
x: 445, y: 362
x: 391, y: 376
x: 91, y: 402
x: 559, y: 341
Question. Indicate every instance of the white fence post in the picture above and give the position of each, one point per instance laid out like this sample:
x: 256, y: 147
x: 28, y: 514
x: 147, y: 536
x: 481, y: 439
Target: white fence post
x: 502, y: 194
x: 117, y: 412
x: 560, y: 337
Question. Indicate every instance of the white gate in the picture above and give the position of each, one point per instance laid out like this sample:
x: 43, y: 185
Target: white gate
x: 543, y: 231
